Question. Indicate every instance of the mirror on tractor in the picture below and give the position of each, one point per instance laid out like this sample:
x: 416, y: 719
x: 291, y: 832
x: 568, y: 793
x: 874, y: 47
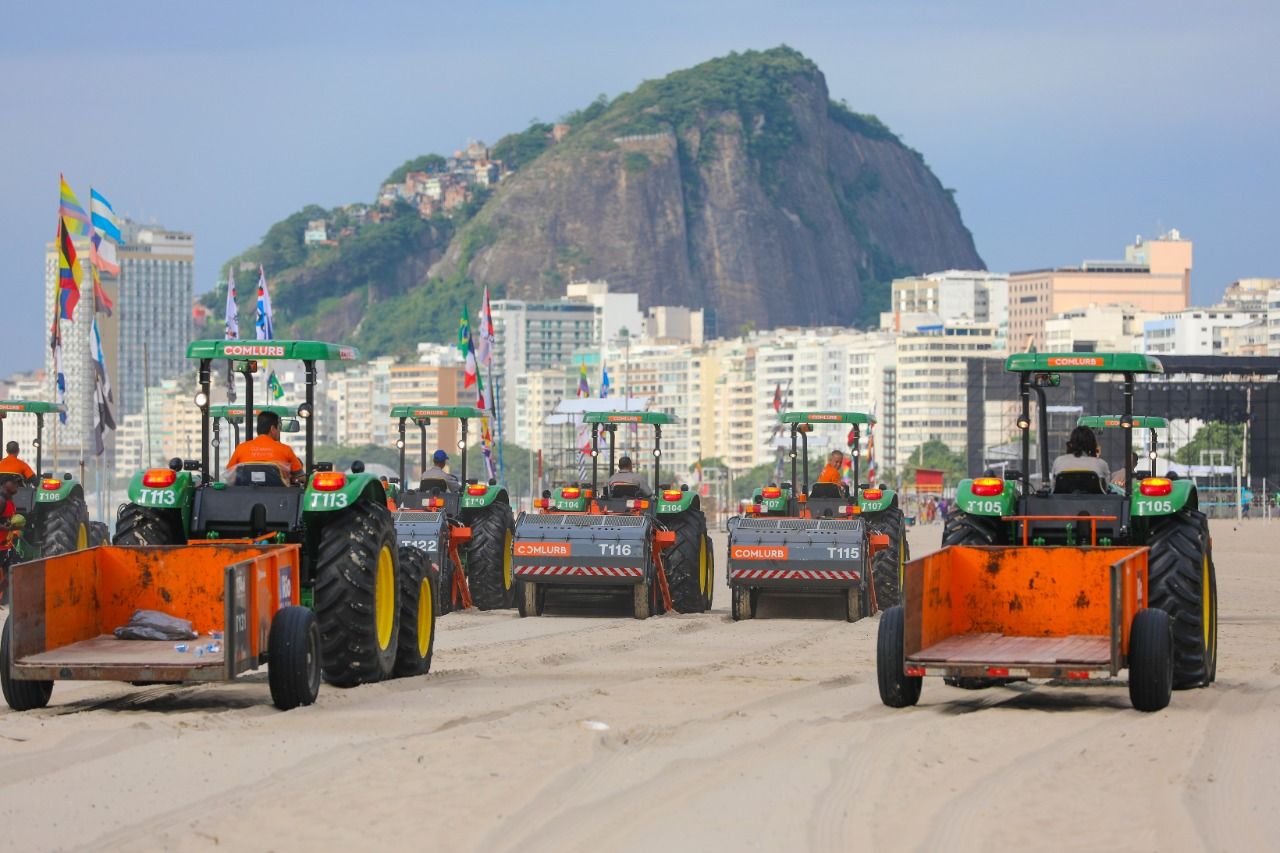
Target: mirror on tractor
x: 175, y: 464
x: 357, y: 467
x: 246, y: 367
x: 1048, y: 380
x: 290, y: 425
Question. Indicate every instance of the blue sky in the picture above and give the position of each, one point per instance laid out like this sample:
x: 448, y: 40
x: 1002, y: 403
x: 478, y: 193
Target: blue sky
x: 1066, y: 128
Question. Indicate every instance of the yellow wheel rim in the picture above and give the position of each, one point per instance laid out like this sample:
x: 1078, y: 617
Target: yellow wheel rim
x: 704, y: 581
x: 384, y: 594
x: 506, y: 559
x: 1206, y: 603
x: 426, y: 616
x: 82, y: 538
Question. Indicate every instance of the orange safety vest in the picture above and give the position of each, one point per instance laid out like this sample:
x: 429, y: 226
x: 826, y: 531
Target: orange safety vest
x: 11, y: 464
x: 264, y: 448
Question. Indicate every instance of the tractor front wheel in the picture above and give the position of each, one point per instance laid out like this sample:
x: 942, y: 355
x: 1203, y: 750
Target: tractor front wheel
x: 357, y: 595
x: 99, y: 534
x: 489, y: 557
x: 962, y: 528
x: 65, y: 528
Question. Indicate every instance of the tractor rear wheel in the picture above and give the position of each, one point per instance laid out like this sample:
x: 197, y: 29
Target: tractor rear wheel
x: 417, y: 614
x: 489, y: 557
x: 687, y: 563
x: 357, y: 595
x: 965, y: 529
x: 293, y: 652
x: 99, y: 534
x: 65, y: 528
x: 1151, y: 660
x: 140, y: 525
x: 1182, y: 583
x: 886, y: 565
x: 897, y: 689
x: 21, y: 695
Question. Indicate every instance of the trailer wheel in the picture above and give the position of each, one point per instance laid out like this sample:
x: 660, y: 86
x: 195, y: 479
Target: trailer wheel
x: 140, y: 525
x: 886, y: 565
x: 99, y: 534
x: 711, y: 572
x: 21, y: 695
x: 293, y: 651
x: 642, y: 599
x: 853, y: 605
x: 1182, y: 584
x: 897, y: 689
x: 1151, y: 660
x: 743, y: 603
x: 489, y: 557
x: 357, y: 595
x: 65, y: 528
x: 417, y: 615
x: 965, y: 529
x: 687, y: 563
x: 531, y: 598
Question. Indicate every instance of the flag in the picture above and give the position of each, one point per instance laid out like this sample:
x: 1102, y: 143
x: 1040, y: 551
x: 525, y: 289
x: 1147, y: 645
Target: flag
x: 102, y: 397
x: 274, y: 386
x: 102, y: 217
x: 467, y: 347
x: 486, y: 437
x: 231, y: 327
x: 604, y: 383
x: 264, y: 323
x: 584, y: 390
x: 102, y: 254
x: 871, y: 452
x: 69, y: 275
x: 60, y: 381
x: 69, y: 209
x: 851, y: 437
x: 101, y: 302
x: 777, y: 398
x: 488, y: 340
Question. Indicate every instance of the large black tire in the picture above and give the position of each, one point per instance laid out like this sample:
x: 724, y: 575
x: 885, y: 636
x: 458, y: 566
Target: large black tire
x: 65, y: 527
x: 711, y: 572
x: 357, y: 595
x: 293, y: 652
x: 99, y: 534
x: 964, y: 529
x: 1151, y: 660
x: 886, y: 565
x: 21, y: 695
x: 417, y: 614
x: 444, y: 584
x: 489, y: 557
x: 141, y: 525
x: 1181, y: 582
x: 642, y: 599
x: 688, y: 563
x: 897, y: 689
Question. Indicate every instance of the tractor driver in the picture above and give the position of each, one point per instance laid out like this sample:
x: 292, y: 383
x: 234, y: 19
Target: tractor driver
x: 11, y: 464
x: 437, y: 472
x: 831, y: 471
x: 1082, y: 455
x: 268, y: 447
x: 625, y: 476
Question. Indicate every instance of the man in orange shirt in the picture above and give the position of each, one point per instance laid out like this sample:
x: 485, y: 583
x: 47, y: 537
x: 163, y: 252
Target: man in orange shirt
x: 267, y: 447
x: 831, y: 471
x: 11, y: 464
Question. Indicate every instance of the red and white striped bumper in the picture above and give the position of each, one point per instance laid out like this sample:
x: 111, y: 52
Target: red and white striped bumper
x: 582, y: 571
x: 792, y: 574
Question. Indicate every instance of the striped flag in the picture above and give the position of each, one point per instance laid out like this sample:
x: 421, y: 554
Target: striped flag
x: 69, y: 275
x: 77, y: 221
x: 468, y: 349
x: 486, y: 437
x: 264, y: 323
x: 488, y: 340
x: 102, y: 397
x: 584, y: 390
x: 604, y: 383
x: 102, y: 303
x: 102, y: 254
x: 102, y: 217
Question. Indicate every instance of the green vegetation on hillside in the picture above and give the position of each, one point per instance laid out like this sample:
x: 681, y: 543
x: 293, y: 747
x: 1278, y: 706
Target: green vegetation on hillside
x: 425, y: 163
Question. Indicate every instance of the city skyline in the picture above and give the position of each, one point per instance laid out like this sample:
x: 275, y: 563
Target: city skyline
x: 1066, y: 131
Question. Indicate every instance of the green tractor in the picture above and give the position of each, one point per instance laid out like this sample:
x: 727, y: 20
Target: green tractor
x: 483, y: 509
x: 374, y: 601
x: 54, y: 507
x: 1077, y: 509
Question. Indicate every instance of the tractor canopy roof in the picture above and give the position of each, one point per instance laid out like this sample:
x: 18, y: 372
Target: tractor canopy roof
x: 35, y: 406
x: 238, y: 411
x: 426, y: 410
x: 1138, y: 421
x: 826, y: 417
x: 655, y: 418
x: 1082, y: 362
x: 300, y: 350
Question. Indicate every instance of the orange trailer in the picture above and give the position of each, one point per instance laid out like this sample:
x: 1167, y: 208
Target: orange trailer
x: 995, y: 612
x: 241, y: 598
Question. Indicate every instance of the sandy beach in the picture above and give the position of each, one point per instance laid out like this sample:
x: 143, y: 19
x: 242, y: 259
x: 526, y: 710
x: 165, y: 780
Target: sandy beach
x: 588, y: 730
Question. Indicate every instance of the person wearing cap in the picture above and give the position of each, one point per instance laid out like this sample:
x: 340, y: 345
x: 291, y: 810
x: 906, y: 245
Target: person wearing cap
x: 11, y: 525
x: 11, y: 464
x: 437, y: 471
x: 268, y: 448
x: 625, y: 476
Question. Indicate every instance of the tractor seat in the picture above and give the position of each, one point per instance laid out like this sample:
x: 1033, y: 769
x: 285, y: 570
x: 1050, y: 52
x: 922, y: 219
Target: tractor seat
x: 624, y: 490
x: 1078, y: 483
x: 435, y: 484
x: 259, y: 475
x: 825, y: 490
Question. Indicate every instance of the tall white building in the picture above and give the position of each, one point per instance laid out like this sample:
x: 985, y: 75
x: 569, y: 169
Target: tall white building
x: 953, y: 296
x: 1195, y: 331
x: 1105, y: 328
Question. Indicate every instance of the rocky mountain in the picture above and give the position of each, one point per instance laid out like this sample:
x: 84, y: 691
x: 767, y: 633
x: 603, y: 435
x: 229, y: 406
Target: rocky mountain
x: 737, y: 185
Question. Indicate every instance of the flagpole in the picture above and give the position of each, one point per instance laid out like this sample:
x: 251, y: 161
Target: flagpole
x: 497, y: 416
